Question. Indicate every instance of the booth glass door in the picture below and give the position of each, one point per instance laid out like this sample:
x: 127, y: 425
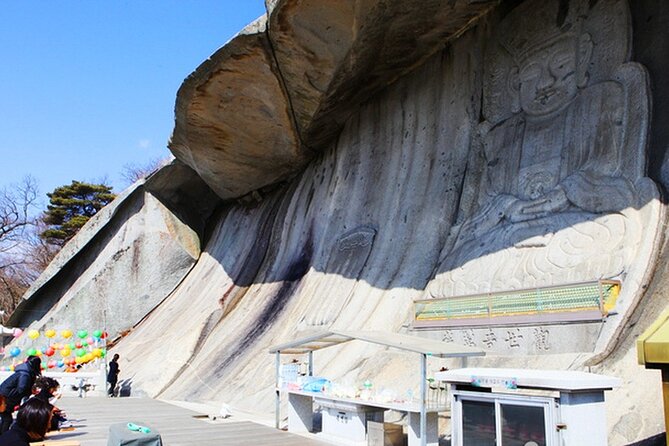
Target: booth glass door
x: 479, y: 425
x: 501, y: 420
x: 522, y: 424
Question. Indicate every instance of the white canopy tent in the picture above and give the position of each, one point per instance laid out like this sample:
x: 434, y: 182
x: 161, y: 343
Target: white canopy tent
x: 328, y: 338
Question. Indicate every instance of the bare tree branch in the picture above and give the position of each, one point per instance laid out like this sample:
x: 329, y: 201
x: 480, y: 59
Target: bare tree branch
x: 17, y: 227
x: 16, y: 202
x: 133, y: 172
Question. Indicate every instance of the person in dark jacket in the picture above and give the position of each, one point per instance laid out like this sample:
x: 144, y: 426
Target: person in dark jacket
x: 19, y: 385
x: 32, y: 422
x: 112, y: 376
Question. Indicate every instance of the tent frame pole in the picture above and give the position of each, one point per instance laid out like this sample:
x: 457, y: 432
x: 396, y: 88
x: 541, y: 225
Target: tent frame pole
x: 277, y: 399
x: 423, y: 398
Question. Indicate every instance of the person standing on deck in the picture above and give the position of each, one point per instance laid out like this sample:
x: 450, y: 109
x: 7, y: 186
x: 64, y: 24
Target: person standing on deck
x: 112, y: 376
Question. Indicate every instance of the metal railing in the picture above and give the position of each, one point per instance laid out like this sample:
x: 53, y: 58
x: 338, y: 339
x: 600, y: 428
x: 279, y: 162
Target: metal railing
x: 570, y: 302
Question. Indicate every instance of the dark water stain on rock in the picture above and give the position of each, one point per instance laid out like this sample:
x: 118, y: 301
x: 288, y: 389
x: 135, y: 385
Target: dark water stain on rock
x: 295, y: 271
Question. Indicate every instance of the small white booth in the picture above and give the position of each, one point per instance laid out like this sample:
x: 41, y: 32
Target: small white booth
x: 516, y: 407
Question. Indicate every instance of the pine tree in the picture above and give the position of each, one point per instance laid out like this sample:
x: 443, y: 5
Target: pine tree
x: 71, y: 207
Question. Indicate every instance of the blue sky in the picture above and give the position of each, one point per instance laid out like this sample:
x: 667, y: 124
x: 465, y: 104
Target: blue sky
x: 87, y: 87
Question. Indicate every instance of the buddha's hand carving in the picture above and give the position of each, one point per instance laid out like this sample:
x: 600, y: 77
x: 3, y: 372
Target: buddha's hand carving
x: 522, y: 210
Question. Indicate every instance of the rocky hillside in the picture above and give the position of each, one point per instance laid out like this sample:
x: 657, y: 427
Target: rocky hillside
x: 338, y: 160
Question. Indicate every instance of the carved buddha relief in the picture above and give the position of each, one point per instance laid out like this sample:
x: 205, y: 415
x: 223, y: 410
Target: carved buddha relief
x: 558, y: 167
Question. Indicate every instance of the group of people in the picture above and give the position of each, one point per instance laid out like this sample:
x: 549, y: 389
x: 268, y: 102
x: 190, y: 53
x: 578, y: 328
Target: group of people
x: 32, y: 396
x: 33, y: 418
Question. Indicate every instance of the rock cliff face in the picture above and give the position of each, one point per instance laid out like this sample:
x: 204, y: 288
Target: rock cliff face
x: 370, y: 153
x: 322, y: 251
x: 297, y: 77
x: 123, y: 262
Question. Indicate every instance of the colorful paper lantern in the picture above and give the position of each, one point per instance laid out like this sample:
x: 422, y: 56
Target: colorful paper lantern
x: 50, y: 333
x: 33, y: 334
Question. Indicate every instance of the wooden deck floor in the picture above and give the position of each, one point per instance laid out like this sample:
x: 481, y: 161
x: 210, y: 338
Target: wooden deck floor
x: 177, y: 425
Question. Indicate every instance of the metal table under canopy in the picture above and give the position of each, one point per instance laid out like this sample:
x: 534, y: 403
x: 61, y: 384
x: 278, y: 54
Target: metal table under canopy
x: 328, y: 338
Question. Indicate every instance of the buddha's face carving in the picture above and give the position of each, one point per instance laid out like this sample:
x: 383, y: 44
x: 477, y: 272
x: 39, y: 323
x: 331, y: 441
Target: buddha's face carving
x: 547, y: 77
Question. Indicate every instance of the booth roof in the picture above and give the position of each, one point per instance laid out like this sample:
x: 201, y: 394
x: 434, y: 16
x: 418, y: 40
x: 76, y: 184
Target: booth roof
x: 653, y: 345
x: 324, y: 339
x: 539, y: 379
